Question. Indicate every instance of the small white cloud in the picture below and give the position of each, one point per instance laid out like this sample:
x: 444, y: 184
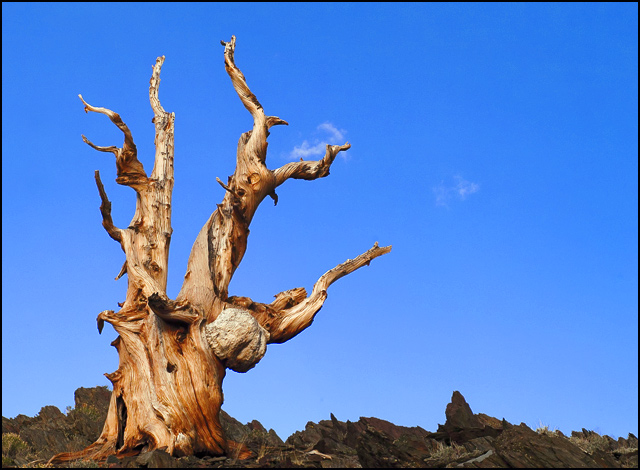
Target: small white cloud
x: 442, y: 194
x: 319, y: 145
x: 445, y: 193
x: 307, y: 150
x: 464, y: 187
x: 337, y: 135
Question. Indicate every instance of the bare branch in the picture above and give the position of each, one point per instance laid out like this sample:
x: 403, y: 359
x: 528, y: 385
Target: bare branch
x: 130, y: 170
x: 248, y: 99
x: 256, y: 139
x: 291, y: 321
x: 275, y: 121
x: 154, y: 85
x: 113, y: 149
x: 309, y: 170
x: 164, y: 123
x: 289, y: 298
x: 122, y: 320
x: 105, y: 209
x: 123, y: 271
x: 349, y: 266
x: 227, y: 188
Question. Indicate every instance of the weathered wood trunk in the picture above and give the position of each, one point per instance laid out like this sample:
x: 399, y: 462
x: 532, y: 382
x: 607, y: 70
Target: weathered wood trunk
x: 167, y: 390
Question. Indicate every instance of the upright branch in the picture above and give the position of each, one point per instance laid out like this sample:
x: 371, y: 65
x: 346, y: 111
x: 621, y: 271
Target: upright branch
x: 164, y: 122
x: 257, y: 138
x: 146, y: 240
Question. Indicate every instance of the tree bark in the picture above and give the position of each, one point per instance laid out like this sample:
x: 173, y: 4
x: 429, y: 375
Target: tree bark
x: 167, y: 390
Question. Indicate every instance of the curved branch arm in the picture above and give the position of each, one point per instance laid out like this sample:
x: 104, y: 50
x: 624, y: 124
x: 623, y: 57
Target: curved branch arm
x: 154, y: 85
x: 309, y: 170
x: 112, y: 148
x: 105, y: 209
x: 130, y: 170
x: 247, y: 97
x: 291, y: 312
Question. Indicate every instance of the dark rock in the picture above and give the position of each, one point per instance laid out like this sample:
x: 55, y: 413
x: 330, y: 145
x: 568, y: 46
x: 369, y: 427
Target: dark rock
x: 253, y: 434
x: 233, y: 428
x: 97, y: 397
x: 376, y: 450
x: 520, y: 447
x: 466, y: 440
x: 10, y: 425
x: 486, y: 420
x: 628, y: 459
x: 462, y: 425
x: 459, y: 414
x: 482, y: 444
x: 156, y: 459
x: 308, y: 438
x: 392, y: 430
x: 339, y: 426
x: 353, y: 431
x: 50, y: 413
x: 327, y: 445
x: 487, y: 460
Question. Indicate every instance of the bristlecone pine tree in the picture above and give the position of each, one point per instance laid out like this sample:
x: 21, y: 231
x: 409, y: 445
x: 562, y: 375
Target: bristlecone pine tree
x: 167, y: 390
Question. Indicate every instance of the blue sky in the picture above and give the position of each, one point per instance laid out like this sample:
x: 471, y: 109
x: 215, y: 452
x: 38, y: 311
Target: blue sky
x: 495, y: 146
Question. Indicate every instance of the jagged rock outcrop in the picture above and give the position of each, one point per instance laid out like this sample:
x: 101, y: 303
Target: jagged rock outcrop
x: 465, y: 440
x: 51, y: 432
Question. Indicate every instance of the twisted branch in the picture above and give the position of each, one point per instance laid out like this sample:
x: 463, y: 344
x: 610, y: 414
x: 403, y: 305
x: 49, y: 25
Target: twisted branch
x: 130, y: 171
x: 292, y: 311
x: 257, y: 138
x: 309, y: 170
x: 294, y: 320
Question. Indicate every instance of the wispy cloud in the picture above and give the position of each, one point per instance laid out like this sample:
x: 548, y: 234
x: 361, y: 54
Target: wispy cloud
x: 334, y: 133
x: 459, y: 191
x: 305, y: 149
x: 329, y: 134
x: 464, y: 187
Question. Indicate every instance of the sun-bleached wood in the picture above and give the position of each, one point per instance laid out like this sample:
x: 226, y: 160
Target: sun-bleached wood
x: 173, y: 355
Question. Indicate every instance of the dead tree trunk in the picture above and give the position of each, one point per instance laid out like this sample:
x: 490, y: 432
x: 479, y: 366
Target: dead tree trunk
x: 167, y: 390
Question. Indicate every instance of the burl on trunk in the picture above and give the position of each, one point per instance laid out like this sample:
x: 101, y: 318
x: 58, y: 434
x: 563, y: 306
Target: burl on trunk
x: 167, y: 390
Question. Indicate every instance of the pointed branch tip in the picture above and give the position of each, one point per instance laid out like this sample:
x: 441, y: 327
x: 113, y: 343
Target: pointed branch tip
x: 227, y: 188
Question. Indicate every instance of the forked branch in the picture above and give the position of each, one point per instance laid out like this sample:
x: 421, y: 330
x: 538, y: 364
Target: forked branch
x: 130, y: 171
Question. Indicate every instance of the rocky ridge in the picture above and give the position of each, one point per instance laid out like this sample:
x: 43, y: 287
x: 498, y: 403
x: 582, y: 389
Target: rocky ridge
x: 466, y: 440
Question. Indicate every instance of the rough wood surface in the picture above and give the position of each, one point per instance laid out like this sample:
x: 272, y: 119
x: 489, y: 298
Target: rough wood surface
x: 167, y: 390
